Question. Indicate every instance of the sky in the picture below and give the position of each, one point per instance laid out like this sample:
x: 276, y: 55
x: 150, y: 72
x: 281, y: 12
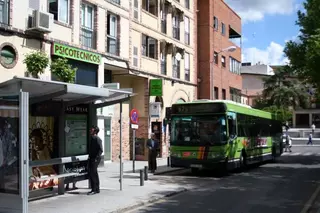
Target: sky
x: 266, y: 26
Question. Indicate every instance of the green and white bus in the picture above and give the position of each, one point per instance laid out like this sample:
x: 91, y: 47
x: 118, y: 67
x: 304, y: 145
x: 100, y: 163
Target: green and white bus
x: 207, y: 134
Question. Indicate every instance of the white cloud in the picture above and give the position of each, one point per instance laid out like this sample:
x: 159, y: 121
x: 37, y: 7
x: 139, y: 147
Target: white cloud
x: 272, y: 55
x: 255, y: 10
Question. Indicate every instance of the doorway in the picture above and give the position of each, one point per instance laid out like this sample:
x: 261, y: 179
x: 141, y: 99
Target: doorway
x: 107, y: 139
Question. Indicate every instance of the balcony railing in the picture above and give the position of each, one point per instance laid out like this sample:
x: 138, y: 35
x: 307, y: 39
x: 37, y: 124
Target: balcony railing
x: 176, y: 33
x: 88, y: 38
x: 163, y: 67
x: 113, y: 46
x: 115, y: 1
x: 176, y: 71
x: 187, y: 74
x: 164, y: 26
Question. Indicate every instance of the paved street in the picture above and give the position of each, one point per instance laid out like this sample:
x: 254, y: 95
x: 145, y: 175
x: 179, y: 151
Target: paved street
x: 288, y: 186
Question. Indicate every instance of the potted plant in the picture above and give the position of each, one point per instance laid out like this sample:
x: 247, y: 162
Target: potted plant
x: 62, y: 70
x: 36, y: 63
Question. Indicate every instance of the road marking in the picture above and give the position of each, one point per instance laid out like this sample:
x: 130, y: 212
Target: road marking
x: 295, y: 153
x: 311, y: 200
x: 304, y: 145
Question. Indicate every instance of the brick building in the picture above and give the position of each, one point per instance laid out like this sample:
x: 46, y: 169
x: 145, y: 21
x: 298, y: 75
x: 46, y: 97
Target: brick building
x: 219, y: 51
x: 135, y: 41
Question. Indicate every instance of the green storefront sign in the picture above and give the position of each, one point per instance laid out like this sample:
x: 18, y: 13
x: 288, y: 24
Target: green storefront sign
x: 155, y: 87
x: 75, y: 53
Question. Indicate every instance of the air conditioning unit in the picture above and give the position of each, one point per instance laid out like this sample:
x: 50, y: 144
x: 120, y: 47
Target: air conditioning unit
x: 41, y: 21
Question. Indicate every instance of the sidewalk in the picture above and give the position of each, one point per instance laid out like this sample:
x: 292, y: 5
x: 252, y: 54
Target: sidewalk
x: 111, y: 199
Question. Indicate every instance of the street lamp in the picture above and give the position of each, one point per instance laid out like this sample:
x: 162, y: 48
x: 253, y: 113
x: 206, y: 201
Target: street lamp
x: 228, y: 49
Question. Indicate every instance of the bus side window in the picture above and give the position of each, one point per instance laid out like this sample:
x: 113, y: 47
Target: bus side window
x: 232, y: 125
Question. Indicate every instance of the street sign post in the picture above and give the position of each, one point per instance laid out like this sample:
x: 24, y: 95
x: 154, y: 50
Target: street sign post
x: 134, y: 119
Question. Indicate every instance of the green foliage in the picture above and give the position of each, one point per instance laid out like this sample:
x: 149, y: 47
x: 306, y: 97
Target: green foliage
x: 283, y: 91
x: 36, y: 63
x: 303, y: 53
x: 281, y: 113
x: 62, y: 70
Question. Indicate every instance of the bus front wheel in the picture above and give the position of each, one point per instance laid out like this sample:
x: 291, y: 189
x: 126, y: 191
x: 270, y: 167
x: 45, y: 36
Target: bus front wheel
x: 243, y: 161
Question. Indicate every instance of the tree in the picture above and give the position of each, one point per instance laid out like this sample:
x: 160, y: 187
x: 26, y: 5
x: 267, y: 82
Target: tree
x: 282, y: 114
x: 283, y: 91
x: 62, y: 70
x: 303, y: 53
x: 36, y: 63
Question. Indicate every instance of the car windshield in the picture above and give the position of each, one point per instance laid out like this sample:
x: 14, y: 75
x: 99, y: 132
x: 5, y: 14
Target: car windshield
x: 198, y: 130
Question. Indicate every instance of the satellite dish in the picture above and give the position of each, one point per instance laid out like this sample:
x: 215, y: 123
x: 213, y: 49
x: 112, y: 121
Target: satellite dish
x: 178, y: 56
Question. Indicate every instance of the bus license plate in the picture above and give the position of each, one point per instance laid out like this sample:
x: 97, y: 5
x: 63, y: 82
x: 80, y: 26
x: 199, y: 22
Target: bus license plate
x: 196, y: 166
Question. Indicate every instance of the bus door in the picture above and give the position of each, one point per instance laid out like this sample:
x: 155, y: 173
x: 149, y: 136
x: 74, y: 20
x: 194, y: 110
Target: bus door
x: 232, y: 135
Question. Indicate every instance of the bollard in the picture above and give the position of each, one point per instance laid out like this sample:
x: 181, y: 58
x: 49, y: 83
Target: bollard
x: 145, y: 173
x: 141, y: 178
x: 168, y: 161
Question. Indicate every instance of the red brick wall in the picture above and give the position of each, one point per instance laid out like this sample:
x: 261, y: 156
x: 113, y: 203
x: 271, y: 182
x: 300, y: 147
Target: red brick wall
x: 216, y: 76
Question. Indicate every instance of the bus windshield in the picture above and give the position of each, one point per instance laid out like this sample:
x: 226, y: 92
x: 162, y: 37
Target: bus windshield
x: 199, y: 130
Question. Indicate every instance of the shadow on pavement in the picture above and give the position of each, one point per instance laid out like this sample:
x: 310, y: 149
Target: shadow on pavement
x: 262, y: 190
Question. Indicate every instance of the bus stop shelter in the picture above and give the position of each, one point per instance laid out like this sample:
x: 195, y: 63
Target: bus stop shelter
x: 16, y: 98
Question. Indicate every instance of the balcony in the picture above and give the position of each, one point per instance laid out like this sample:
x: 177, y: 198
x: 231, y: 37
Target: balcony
x: 176, y: 71
x: 113, y: 46
x: 88, y: 38
x: 176, y: 33
x: 163, y: 67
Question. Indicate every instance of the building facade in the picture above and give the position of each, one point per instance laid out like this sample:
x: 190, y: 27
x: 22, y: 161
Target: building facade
x: 219, y: 51
x: 253, y: 80
x: 115, y: 44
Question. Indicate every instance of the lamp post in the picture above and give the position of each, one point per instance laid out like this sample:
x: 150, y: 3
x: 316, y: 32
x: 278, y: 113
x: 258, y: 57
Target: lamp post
x: 228, y: 49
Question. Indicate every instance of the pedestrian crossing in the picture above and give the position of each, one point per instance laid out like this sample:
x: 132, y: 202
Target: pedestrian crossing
x: 301, y: 154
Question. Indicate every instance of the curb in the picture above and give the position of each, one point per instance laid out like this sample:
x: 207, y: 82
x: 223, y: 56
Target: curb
x: 152, y: 200
x: 168, y: 171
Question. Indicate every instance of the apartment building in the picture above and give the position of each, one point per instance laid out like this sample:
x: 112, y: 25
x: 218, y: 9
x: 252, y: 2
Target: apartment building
x: 147, y: 46
x: 163, y: 50
x: 219, y: 51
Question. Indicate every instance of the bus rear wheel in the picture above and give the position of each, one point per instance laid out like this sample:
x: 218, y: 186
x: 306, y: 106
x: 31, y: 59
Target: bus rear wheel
x: 195, y: 171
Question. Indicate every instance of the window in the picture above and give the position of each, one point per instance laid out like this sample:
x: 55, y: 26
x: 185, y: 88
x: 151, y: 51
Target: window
x: 116, y: 1
x: 149, y: 47
x: 187, y: 4
x: 112, y: 33
x: 107, y: 76
x: 8, y: 56
x: 163, y: 58
x: 223, y: 29
x: 60, y: 10
x: 234, y: 66
x: 235, y: 95
x: 215, y: 23
x: 224, y: 95
x: 187, y: 66
x: 164, y: 13
x: 87, y: 26
x: 198, y: 130
x: 4, y: 11
x: 223, y: 61
x: 186, y: 30
x: 176, y: 27
x: 150, y: 6
x: 215, y: 58
x: 216, y: 93
x: 175, y: 67
x: 135, y: 56
x: 136, y: 9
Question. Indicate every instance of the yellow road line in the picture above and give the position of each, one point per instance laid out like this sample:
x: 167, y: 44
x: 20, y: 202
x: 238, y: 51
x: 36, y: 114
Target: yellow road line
x: 311, y: 200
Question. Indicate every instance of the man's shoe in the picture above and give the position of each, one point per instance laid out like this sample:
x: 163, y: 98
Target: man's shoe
x: 91, y: 193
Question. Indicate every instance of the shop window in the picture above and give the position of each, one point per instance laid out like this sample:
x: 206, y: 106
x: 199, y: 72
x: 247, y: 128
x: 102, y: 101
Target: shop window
x: 8, y: 56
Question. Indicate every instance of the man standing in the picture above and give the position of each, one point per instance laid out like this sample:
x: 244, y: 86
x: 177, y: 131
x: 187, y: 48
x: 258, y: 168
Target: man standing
x: 153, y: 146
x: 95, y: 151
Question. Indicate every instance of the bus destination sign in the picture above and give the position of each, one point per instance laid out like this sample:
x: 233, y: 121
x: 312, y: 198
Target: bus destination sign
x: 198, y: 108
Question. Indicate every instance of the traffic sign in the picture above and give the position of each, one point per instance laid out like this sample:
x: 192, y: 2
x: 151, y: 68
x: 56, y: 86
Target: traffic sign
x: 134, y: 116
